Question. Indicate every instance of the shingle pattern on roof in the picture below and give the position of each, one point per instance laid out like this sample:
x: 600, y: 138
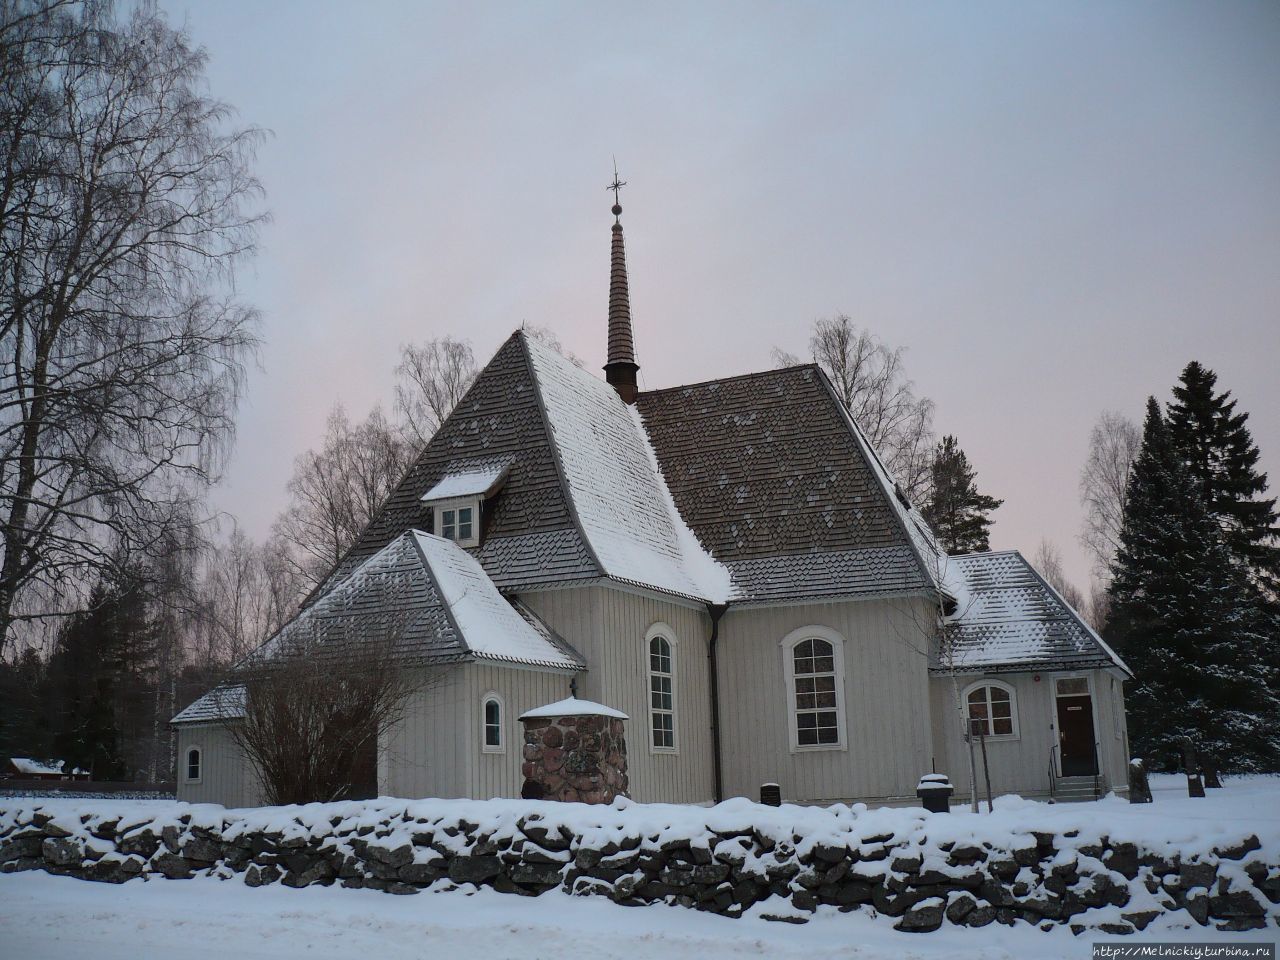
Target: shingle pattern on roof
x: 223, y: 702
x: 813, y: 576
x: 500, y: 417
x: 1013, y: 620
x: 768, y: 466
x: 615, y: 488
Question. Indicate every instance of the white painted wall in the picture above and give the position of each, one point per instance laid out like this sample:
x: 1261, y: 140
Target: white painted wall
x: 225, y: 775
x: 1021, y: 765
x: 886, y: 696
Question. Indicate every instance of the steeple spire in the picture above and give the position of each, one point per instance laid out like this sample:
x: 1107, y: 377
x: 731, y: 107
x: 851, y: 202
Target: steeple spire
x: 621, y: 369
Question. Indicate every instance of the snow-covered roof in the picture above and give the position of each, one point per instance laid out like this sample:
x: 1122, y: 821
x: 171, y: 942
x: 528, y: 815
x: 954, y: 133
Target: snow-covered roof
x: 225, y: 702
x: 429, y: 600
x: 43, y: 768
x: 470, y: 478
x: 615, y: 488
x: 573, y: 707
x: 490, y: 626
x: 1009, y: 618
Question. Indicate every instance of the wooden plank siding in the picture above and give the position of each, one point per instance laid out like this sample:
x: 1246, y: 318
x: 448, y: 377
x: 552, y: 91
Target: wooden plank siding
x: 886, y: 696
x: 608, y: 626
x: 1021, y: 764
x: 225, y: 776
x: 437, y: 749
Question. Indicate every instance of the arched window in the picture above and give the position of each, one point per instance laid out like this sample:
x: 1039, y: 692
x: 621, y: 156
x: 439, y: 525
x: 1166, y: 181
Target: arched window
x: 814, y: 666
x: 991, y: 708
x: 193, y: 764
x: 662, y: 689
x: 491, y: 724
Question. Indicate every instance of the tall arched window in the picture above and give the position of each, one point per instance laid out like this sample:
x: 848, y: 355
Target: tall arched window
x: 491, y: 738
x: 662, y: 689
x: 991, y: 708
x: 193, y: 764
x: 814, y: 666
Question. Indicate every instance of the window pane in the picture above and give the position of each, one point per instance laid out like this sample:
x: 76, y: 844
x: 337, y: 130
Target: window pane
x: 1069, y: 686
x: 807, y: 737
x: 806, y: 721
x: 823, y: 665
x: 978, y: 711
x: 1001, y: 709
x: 999, y: 694
x: 1003, y: 726
x: 464, y: 515
x: 491, y: 711
x: 825, y: 699
x: 805, y: 684
x: 464, y: 530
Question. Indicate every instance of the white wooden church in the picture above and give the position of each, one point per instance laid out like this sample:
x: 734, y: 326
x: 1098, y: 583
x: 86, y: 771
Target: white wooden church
x: 730, y: 565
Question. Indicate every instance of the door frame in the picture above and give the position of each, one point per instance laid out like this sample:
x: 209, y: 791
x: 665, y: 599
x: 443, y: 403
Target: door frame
x: 1053, y: 714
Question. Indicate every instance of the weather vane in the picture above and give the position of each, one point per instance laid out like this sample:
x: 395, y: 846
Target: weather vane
x: 616, y: 185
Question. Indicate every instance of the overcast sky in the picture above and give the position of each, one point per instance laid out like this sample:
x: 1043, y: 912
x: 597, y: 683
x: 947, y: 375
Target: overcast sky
x: 1053, y: 207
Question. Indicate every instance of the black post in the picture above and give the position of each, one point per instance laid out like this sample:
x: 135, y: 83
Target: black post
x: 716, y: 611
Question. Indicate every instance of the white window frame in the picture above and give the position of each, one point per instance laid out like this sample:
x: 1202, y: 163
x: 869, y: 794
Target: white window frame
x: 666, y: 633
x: 459, y: 503
x: 485, y: 747
x: 186, y: 764
x: 1013, y: 708
x: 788, y: 645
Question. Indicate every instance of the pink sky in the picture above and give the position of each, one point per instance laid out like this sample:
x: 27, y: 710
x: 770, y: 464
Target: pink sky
x: 1053, y: 207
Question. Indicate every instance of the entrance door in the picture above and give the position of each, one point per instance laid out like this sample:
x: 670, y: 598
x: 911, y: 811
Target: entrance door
x: 1075, y: 727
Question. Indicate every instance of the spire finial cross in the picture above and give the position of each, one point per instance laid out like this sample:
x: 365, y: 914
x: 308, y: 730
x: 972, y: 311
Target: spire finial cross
x: 617, y: 184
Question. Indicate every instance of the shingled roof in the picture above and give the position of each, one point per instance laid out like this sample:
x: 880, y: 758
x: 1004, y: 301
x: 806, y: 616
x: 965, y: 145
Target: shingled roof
x: 429, y: 600
x: 1011, y: 619
x: 778, y: 483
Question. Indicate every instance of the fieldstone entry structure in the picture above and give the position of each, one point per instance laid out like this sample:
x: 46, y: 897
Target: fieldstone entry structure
x: 575, y: 750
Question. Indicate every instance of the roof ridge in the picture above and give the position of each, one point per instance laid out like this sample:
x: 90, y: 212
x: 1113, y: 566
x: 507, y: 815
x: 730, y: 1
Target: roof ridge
x: 557, y: 458
x: 737, y: 376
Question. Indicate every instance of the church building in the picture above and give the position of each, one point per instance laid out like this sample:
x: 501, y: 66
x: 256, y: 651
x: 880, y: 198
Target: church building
x: 729, y: 564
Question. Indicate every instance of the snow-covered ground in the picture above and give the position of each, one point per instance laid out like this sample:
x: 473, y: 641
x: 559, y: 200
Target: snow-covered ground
x: 43, y: 916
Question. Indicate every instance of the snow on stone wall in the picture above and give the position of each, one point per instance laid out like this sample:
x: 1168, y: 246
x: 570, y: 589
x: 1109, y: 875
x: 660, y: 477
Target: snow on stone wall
x: 920, y: 870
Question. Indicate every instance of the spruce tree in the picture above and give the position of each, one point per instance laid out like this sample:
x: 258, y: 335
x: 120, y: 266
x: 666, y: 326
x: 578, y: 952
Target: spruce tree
x: 959, y: 515
x: 1218, y: 449
x: 1188, y: 622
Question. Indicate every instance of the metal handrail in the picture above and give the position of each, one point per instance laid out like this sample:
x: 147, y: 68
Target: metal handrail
x: 1053, y: 772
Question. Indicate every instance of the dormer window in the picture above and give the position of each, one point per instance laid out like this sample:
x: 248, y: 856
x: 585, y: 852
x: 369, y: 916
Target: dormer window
x: 459, y: 521
x: 455, y: 499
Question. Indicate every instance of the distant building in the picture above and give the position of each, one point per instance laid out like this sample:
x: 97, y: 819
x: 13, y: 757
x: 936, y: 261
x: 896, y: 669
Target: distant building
x: 731, y: 565
x: 23, y: 768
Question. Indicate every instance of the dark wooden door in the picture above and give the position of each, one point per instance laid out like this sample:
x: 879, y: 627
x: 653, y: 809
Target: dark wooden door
x: 1075, y: 736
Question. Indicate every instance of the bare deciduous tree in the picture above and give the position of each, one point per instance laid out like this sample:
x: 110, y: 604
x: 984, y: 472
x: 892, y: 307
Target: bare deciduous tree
x: 337, y: 489
x: 316, y: 700
x: 431, y: 378
x: 248, y: 591
x: 1104, y: 480
x: 872, y: 382
x: 1048, y: 560
x: 126, y: 201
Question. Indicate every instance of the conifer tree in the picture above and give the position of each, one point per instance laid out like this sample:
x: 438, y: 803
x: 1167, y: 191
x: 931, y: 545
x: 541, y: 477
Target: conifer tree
x: 1188, y: 623
x: 959, y: 515
x: 1218, y: 449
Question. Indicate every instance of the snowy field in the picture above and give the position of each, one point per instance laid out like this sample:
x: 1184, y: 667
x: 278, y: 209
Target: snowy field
x: 43, y: 916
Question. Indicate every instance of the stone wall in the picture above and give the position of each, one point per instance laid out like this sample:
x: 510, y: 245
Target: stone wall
x: 741, y: 858
x: 576, y: 758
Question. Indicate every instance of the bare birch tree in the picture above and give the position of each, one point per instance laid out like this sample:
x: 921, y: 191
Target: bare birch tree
x: 337, y: 489
x: 1048, y: 560
x: 431, y: 378
x: 1104, y: 480
x: 871, y: 380
x: 126, y: 202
